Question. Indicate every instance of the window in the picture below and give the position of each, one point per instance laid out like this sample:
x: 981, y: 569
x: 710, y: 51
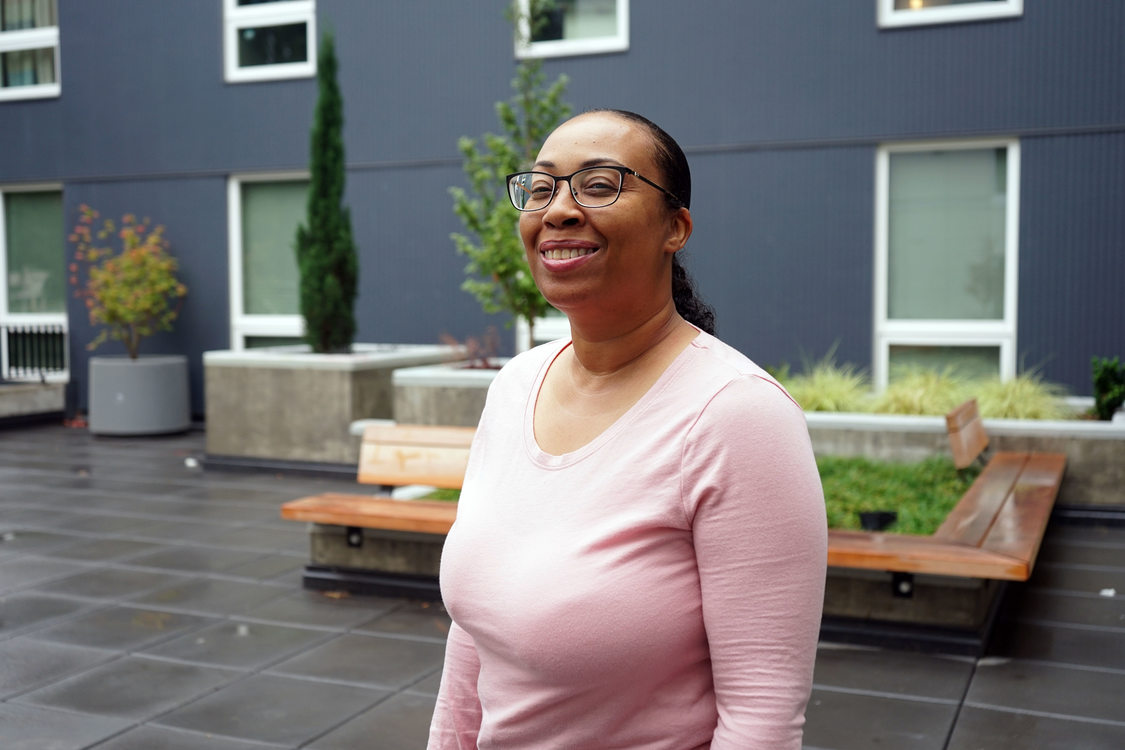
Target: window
x: 33, y: 295
x: 917, y: 12
x: 29, y: 49
x: 946, y: 257
x: 575, y: 27
x: 264, y: 214
x: 265, y: 40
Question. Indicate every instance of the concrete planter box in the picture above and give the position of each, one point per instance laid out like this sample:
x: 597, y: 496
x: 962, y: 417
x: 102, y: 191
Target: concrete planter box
x: 286, y: 404
x: 30, y: 400
x: 144, y: 396
x: 449, y: 394
x: 1095, y: 451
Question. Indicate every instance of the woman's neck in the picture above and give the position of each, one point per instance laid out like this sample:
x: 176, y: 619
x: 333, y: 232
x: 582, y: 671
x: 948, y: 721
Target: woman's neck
x: 603, y: 351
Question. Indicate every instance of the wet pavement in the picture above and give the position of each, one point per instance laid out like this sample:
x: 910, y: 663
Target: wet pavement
x: 146, y: 603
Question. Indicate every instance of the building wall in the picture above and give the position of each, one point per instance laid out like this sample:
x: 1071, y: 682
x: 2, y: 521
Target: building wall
x: 780, y: 106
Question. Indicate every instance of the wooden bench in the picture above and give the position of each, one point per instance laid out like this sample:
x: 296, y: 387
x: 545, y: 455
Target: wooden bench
x: 993, y: 532
x: 376, y: 543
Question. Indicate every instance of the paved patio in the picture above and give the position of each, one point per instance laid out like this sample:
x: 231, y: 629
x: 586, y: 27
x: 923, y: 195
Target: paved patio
x: 146, y: 603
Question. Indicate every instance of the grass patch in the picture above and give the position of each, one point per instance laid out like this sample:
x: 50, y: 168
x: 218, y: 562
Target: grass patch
x: 921, y: 493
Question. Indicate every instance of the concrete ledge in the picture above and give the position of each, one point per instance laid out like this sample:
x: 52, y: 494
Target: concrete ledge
x: 362, y: 357
x: 21, y: 400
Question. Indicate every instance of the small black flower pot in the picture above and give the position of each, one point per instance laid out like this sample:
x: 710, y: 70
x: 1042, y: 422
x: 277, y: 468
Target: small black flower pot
x: 876, y: 520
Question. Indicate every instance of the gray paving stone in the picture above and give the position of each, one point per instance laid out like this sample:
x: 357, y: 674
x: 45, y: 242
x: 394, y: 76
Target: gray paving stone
x: 162, y: 738
x: 983, y: 729
x: 238, y: 644
x: 1056, y: 689
x: 366, y: 660
x: 120, y: 627
x: 211, y: 596
x: 109, y: 583
x: 102, y: 550
x: 26, y: 664
x: 14, y: 539
x: 194, y: 559
x: 32, y: 728
x: 21, y: 611
x: 897, y: 672
x: 402, y: 722
x: 271, y: 566
x: 26, y: 571
x: 855, y: 721
x: 132, y: 687
x: 323, y: 609
x: 273, y: 708
x: 415, y: 619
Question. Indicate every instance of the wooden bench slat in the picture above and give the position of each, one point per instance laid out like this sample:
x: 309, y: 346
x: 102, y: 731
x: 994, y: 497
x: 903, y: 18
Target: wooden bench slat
x: 918, y: 554
x: 419, y: 434
x: 972, y: 517
x: 967, y: 438
x: 424, y: 516
x: 398, y: 462
x: 1020, y: 524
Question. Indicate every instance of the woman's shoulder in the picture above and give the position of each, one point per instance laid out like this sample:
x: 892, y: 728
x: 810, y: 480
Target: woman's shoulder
x: 731, y: 370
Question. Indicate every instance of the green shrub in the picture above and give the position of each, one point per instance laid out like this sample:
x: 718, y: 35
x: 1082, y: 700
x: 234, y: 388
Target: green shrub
x: 916, y: 390
x: 1109, y: 386
x: 827, y: 386
x: 1026, y: 396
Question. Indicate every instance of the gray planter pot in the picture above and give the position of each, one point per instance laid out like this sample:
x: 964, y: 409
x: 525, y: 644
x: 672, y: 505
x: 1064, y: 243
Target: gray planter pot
x: 143, y: 396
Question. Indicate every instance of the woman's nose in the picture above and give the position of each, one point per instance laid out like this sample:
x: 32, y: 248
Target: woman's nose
x: 563, y: 208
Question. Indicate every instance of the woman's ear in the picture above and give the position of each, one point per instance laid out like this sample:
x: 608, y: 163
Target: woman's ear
x: 679, y: 230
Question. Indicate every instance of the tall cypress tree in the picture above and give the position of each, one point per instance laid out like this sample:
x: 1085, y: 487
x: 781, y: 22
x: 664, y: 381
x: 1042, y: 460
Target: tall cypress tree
x: 326, y: 254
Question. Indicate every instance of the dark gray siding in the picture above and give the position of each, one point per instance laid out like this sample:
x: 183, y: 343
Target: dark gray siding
x: 780, y: 106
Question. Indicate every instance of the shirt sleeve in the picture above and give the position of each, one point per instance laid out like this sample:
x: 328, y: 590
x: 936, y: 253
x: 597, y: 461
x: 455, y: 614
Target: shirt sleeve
x: 753, y: 495
x: 457, y: 714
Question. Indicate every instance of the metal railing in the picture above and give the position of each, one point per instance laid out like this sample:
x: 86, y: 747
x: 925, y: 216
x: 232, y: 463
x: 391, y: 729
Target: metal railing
x: 32, y: 352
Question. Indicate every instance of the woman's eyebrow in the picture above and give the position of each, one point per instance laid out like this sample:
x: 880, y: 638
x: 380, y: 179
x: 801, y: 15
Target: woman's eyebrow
x: 595, y: 162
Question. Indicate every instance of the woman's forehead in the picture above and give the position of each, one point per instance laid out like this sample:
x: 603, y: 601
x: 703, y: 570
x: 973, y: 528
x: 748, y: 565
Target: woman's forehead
x: 598, y: 137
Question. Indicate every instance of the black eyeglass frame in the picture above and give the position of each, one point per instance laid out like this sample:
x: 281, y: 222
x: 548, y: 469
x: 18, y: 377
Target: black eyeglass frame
x: 557, y: 179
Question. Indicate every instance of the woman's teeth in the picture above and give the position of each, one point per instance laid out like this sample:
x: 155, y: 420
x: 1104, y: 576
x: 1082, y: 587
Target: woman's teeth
x: 567, y: 253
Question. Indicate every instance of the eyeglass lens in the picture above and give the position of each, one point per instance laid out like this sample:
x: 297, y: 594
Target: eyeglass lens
x: 593, y: 188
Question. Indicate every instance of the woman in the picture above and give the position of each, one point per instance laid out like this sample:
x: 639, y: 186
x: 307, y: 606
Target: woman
x: 639, y: 555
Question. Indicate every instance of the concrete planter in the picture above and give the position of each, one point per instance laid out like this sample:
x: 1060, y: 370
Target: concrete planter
x: 144, y: 396
x: 1095, y: 451
x: 449, y: 394
x: 286, y: 404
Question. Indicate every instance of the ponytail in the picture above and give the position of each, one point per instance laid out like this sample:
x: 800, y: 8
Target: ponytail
x: 688, y: 304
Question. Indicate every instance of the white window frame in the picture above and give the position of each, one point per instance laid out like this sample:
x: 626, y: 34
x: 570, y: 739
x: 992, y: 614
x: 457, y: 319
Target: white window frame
x: 889, y: 17
x: 25, y: 39
x: 526, y: 49
x: 991, y: 333
x: 26, y: 319
x: 245, y: 325
x: 238, y: 17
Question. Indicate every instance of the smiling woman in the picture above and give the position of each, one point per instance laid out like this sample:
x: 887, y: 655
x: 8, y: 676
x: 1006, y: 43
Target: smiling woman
x: 639, y: 553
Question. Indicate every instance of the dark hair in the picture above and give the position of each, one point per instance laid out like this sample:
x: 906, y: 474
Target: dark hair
x: 676, y: 180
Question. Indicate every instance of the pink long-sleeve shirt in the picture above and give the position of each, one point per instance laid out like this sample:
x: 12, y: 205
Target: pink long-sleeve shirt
x: 659, y: 588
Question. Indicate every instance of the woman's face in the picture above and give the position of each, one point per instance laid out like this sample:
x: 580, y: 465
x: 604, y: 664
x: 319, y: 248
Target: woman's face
x: 614, y: 260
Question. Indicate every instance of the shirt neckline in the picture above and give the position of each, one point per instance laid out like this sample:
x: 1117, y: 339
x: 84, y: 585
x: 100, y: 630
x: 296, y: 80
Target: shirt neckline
x: 552, y: 461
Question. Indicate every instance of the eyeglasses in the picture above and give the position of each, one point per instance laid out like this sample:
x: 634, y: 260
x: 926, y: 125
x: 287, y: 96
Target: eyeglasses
x: 592, y: 187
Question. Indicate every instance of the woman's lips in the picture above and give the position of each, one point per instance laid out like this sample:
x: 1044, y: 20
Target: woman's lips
x: 564, y: 250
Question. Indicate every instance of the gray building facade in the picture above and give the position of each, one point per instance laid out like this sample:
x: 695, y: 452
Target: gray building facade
x: 816, y: 132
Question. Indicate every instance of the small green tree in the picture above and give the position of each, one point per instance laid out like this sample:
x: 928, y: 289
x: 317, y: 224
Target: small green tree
x: 497, y: 270
x: 326, y: 254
